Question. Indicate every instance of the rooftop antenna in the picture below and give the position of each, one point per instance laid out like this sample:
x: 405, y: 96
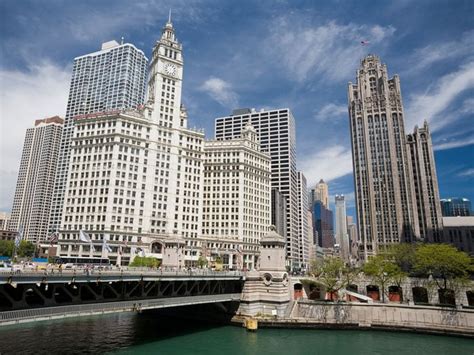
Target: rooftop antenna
x: 122, y: 40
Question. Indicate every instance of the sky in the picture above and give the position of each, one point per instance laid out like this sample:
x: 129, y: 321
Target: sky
x: 258, y: 54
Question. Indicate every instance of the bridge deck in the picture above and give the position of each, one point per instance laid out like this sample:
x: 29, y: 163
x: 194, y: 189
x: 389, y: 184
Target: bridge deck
x: 28, y: 315
x: 82, y: 275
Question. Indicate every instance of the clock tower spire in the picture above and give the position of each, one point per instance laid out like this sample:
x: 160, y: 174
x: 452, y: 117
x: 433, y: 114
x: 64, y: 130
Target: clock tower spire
x: 165, y: 81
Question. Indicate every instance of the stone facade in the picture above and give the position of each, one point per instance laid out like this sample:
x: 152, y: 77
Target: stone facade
x: 266, y: 291
x: 425, y: 184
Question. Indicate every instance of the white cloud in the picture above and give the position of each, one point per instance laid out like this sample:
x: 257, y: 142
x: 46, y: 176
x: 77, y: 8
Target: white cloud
x: 454, y: 144
x: 425, y: 57
x: 221, y: 91
x: 327, y: 50
x: 468, y: 173
x: 328, y: 164
x: 431, y: 105
x: 26, y: 96
x: 331, y: 111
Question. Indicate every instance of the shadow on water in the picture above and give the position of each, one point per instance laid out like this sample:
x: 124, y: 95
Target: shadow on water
x: 112, y: 332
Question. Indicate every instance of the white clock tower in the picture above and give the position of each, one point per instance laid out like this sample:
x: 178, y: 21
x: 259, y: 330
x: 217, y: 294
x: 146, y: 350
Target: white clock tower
x: 165, y: 82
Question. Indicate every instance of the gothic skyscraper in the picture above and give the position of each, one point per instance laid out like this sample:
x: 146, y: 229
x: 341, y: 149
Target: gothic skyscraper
x: 425, y: 183
x: 382, y: 177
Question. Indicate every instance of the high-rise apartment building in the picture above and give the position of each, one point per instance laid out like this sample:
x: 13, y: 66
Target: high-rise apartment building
x: 278, y: 212
x: 384, y: 198
x: 342, y: 237
x: 34, y: 187
x: 304, y: 241
x: 136, y: 175
x: 454, y: 206
x: 5, y: 221
x: 425, y: 183
x: 276, y: 131
x: 109, y: 79
x: 353, y: 238
x: 320, y: 193
x: 323, y: 225
x: 236, y: 197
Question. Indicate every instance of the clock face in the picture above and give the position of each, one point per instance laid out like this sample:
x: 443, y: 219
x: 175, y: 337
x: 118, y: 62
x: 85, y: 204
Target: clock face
x: 170, y: 69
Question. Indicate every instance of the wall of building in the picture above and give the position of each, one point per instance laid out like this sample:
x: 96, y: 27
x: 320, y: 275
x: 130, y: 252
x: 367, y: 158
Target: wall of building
x: 421, y: 318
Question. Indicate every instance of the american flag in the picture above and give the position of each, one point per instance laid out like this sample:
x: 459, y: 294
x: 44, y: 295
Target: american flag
x: 53, y: 238
x: 19, y: 236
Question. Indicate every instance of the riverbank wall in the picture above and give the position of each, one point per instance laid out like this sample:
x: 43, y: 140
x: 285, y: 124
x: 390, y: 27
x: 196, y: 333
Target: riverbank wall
x: 339, y: 315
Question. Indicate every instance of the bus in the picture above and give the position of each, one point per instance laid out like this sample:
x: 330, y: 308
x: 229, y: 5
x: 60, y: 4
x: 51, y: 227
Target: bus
x: 81, y: 261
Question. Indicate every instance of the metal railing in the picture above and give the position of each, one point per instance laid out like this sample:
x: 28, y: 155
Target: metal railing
x: 125, y: 271
x: 122, y: 306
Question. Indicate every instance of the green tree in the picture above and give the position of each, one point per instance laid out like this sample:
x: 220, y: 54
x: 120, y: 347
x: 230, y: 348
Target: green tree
x: 6, y: 247
x: 202, y: 262
x: 25, y: 249
x: 333, y: 274
x: 382, y: 271
x: 402, y: 254
x: 448, y: 266
x: 144, y: 261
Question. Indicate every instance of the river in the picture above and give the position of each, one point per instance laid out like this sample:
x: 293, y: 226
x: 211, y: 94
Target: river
x: 146, y: 333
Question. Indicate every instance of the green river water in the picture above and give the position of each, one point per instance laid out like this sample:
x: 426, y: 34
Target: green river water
x: 146, y: 333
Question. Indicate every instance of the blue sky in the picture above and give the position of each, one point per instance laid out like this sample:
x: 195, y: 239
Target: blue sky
x: 261, y: 54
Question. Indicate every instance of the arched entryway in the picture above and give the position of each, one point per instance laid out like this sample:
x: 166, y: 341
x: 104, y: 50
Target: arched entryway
x: 395, y: 294
x: 446, y: 297
x: 470, y: 298
x: 352, y: 288
x: 373, y: 292
x: 157, y: 248
x: 297, y: 291
x: 420, y: 295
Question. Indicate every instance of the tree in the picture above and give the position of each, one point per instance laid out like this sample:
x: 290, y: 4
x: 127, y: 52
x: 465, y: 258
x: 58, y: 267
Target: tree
x: 6, y: 247
x: 402, y: 254
x: 202, y: 262
x: 145, y: 261
x: 25, y: 249
x: 448, y: 266
x: 334, y: 275
x: 383, y: 271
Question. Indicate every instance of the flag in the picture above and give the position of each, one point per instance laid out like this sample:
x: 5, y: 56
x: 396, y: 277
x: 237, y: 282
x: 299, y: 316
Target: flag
x: 19, y: 236
x: 83, y: 236
x: 53, y: 238
x: 364, y: 43
x: 105, y: 245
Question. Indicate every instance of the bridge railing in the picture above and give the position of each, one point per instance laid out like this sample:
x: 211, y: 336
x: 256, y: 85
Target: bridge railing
x: 125, y: 271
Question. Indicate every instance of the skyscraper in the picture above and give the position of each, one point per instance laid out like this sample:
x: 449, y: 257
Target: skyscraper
x: 320, y: 193
x: 342, y: 238
x: 353, y: 238
x: 454, y: 206
x: 109, y: 79
x: 278, y: 212
x: 236, y: 197
x: 384, y: 200
x: 276, y: 130
x: 303, y: 228
x: 34, y: 187
x: 425, y: 183
x: 323, y: 225
x: 136, y: 175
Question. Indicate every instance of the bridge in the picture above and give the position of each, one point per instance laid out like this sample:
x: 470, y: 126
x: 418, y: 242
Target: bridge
x: 42, y: 295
